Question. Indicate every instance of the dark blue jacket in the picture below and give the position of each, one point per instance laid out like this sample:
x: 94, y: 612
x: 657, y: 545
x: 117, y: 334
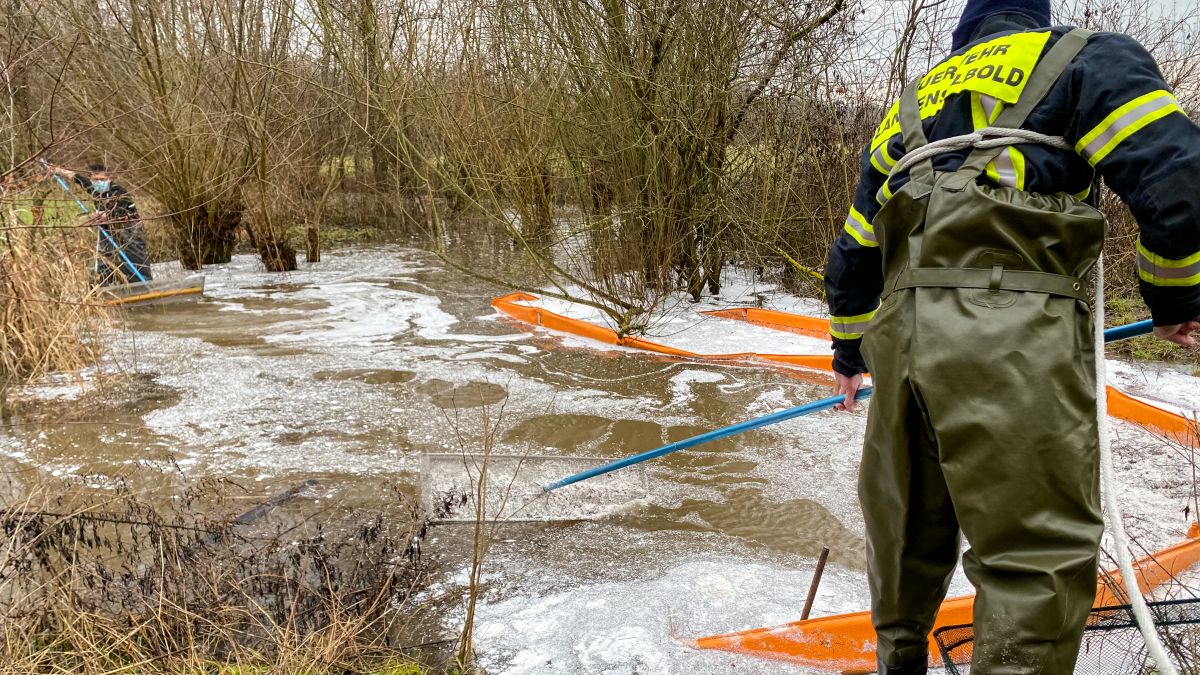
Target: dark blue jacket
x: 1114, y: 107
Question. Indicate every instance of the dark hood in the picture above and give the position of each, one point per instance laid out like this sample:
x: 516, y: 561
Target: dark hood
x: 984, y: 14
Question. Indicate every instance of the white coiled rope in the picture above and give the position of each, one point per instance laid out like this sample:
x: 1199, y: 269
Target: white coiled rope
x: 1116, y: 524
x: 988, y: 137
x: 994, y: 137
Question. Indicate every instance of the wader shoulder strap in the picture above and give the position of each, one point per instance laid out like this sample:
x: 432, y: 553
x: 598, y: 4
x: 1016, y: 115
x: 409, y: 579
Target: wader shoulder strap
x: 1045, y: 74
x: 913, y: 133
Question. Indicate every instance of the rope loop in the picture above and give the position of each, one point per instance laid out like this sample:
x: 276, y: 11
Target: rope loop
x: 986, y: 138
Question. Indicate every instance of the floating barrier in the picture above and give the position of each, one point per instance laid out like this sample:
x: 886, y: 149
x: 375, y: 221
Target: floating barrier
x: 846, y: 642
x: 155, y: 291
x: 1120, y: 405
x: 774, y: 319
x: 511, y: 305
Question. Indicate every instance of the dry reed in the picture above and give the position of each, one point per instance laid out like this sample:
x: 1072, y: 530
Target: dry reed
x: 51, y: 319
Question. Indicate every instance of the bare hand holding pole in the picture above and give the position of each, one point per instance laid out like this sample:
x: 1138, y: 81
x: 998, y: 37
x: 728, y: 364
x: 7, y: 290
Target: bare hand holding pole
x: 848, y: 386
x: 1180, y: 333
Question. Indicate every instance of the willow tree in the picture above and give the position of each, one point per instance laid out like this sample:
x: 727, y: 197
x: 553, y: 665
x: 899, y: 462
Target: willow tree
x: 177, y: 91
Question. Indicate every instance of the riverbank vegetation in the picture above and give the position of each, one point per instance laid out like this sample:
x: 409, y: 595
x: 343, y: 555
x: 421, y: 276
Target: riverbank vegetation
x: 628, y: 150
x: 109, y: 580
x: 50, y: 319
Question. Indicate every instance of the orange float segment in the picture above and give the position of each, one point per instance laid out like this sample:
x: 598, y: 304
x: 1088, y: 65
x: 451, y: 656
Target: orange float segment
x: 846, y: 642
x: 1152, y: 571
x: 511, y: 305
x: 770, y: 318
x: 1170, y: 425
x: 803, y: 360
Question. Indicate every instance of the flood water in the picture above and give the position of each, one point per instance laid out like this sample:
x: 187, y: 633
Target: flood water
x: 349, y: 370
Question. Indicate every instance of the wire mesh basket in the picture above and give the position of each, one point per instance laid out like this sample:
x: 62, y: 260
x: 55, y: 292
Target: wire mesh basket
x: 1112, y: 644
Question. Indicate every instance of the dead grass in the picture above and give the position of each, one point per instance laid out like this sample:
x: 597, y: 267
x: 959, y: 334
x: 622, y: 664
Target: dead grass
x: 105, y: 581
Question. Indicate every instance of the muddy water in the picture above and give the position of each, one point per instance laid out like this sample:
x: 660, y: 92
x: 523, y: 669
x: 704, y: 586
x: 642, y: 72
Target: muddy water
x: 347, y: 371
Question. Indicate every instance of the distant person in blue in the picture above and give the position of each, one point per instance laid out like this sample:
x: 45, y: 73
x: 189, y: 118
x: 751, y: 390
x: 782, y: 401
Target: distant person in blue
x: 117, y: 216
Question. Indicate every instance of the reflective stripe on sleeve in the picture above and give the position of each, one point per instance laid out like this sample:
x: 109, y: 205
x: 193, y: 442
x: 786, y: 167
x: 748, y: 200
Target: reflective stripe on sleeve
x: 884, y: 193
x: 1125, y: 122
x: 881, y: 160
x: 850, y: 327
x: 860, y: 229
x: 1159, y: 271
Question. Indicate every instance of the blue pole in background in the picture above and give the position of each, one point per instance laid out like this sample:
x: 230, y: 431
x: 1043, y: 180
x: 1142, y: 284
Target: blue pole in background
x: 136, y: 272
x: 1110, y: 335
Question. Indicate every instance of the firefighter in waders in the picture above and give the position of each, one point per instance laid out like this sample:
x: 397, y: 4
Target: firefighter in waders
x: 961, y: 283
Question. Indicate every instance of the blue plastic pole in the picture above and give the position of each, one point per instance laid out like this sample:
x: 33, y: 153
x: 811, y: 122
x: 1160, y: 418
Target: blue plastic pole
x: 798, y: 411
x: 136, y: 272
x: 1110, y: 335
x: 1128, y: 330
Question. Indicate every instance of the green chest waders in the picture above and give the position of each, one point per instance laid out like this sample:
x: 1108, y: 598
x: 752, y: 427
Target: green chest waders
x: 984, y: 412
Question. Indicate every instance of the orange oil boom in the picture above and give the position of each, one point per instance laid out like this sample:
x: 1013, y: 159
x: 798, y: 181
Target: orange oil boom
x: 846, y: 642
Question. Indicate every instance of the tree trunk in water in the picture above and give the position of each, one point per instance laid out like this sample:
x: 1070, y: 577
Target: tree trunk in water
x: 276, y: 253
x: 313, y: 252
x: 277, y: 256
x: 207, y: 235
x: 543, y: 213
x: 539, y: 224
x: 712, y: 273
x: 695, y: 280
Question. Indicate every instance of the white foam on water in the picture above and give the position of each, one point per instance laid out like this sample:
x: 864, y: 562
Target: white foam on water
x: 769, y: 401
x: 816, y: 457
x: 514, y: 488
x: 1155, y: 483
x: 239, y: 408
x: 631, y: 627
x: 1168, y: 386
